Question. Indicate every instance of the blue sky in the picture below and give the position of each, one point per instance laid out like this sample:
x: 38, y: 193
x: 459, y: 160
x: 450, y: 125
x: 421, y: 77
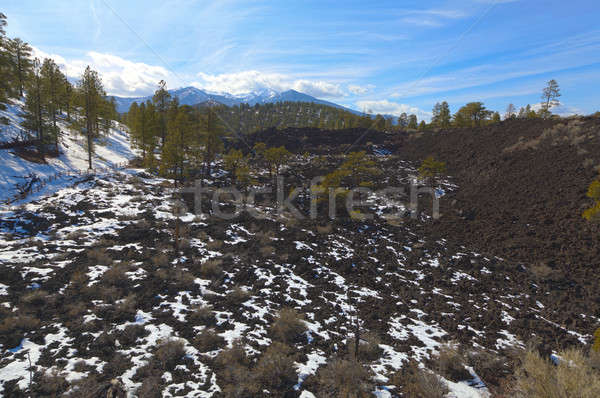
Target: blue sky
x: 384, y: 56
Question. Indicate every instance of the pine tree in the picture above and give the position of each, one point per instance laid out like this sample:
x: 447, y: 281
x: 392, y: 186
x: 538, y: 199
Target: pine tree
x: 51, y: 84
x: 471, y: 115
x: 511, y: 112
x: 91, y: 93
x: 4, y: 62
x: 178, y: 144
x: 20, y: 53
x: 412, y: 122
x: 34, y: 117
x: 444, y: 117
x: 435, y: 114
x: 550, y: 96
x: 275, y: 159
x: 161, y: 100
x: 212, y: 133
x: 496, y: 117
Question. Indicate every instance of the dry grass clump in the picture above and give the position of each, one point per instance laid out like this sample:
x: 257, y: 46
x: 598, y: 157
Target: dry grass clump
x: 522, y: 144
x: 541, y: 271
x: 571, y: 132
x: 413, y: 381
x: 573, y: 376
x: 288, y: 327
x: 344, y: 379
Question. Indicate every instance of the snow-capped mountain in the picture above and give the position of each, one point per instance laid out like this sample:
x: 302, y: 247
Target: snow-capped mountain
x: 193, y: 96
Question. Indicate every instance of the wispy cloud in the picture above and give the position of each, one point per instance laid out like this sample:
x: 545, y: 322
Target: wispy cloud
x: 360, y: 90
x: 430, y: 17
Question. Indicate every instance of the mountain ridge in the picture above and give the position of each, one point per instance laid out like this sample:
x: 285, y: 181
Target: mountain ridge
x: 193, y: 96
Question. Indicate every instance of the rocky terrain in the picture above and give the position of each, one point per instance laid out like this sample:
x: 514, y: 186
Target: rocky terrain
x: 92, y: 288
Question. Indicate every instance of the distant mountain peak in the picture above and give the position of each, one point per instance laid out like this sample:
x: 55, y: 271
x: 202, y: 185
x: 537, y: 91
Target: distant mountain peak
x: 192, y: 96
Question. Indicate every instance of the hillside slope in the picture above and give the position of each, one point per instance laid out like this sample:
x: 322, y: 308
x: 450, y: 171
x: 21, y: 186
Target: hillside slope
x: 16, y: 168
x: 523, y: 186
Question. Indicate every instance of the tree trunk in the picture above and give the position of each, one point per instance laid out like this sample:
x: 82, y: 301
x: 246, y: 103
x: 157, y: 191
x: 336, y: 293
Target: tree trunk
x: 89, y: 132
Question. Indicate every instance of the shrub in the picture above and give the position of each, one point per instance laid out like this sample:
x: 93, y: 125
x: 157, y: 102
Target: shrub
x: 168, y: 354
x: 267, y: 250
x: 275, y: 370
x: 160, y: 260
x: 202, y: 315
x: 325, y: 229
x: 237, y: 296
x: 86, y: 388
x: 52, y: 384
x: 345, y: 379
x: 368, y: 348
x: 35, y: 298
x: 131, y: 333
x: 450, y: 364
x: 75, y: 235
x: 214, y: 245
x: 115, y: 276
x: 288, y: 327
x: 184, y: 280
x: 431, y: 168
x: 572, y: 377
x: 126, y: 309
x: 415, y: 382
x: 151, y: 388
x: 98, y: 256
x: 16, y: 324
x: 236, y: 355
x: 596, y: 346
x: 116, y: 366
x: 208, y: 340
x: 211, y: 269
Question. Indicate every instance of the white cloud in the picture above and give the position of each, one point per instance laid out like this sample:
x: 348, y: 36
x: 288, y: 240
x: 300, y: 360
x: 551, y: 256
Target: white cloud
x: 360, y: 90
x: 120, y: 76
x: 560, y: 109
x: 392, y: 108
x: 252, y: 80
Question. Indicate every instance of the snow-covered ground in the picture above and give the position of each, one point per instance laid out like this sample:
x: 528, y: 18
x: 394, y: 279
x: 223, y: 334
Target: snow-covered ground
x: 110, y: 151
